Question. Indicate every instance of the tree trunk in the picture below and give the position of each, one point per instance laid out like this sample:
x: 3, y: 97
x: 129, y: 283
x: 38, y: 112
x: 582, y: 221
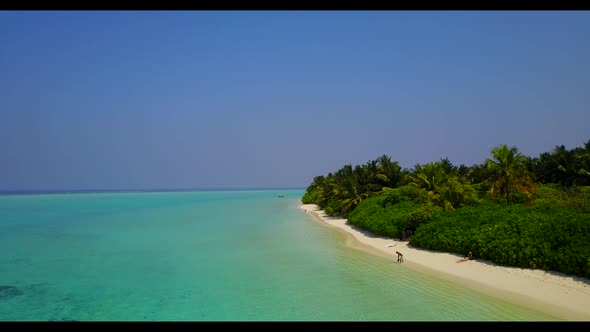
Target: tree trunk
x: 507, y: 193
x: 507, y: 196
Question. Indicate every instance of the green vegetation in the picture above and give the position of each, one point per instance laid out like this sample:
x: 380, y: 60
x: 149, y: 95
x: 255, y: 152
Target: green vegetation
x: 387, y: 214
x: 511, y: 209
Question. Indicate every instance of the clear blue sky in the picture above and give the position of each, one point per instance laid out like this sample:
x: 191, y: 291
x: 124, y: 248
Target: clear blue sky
x: 136, y: 100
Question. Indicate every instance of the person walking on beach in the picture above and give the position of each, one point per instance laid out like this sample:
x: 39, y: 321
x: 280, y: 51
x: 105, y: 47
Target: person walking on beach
x: 400, y: 257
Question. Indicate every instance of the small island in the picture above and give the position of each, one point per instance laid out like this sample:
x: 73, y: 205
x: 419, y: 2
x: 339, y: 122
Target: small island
x: 512, y: 214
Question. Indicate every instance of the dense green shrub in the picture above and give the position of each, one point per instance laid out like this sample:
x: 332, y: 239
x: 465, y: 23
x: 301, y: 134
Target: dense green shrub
x: 581, y: 199
x: 333, y: 207
x: 309, y: 197
x: 551, y: 195
x: 482, y: 189
x: 404, y: 194
x: 372, y: 216
x: 583, y: 191
x: 528, y: 237
x: 389, y: 213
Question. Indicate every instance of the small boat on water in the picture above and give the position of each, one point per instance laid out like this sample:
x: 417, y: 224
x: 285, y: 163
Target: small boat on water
x: 281, y: 196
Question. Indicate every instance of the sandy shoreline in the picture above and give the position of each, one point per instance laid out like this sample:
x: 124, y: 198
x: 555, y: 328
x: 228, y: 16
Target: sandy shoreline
x: 556, y: 294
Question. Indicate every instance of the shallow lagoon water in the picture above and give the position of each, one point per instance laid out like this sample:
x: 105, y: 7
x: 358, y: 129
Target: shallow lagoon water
x: 208, y: 256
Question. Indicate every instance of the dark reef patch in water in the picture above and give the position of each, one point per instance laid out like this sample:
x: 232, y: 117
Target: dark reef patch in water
x: 7, y: 292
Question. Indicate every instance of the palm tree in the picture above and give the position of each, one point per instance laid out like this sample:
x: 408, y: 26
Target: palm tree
x: 356, y: 188
x: 390, y: 173
x: 567, y: 170
x: 508, y: 171
x: 430, y: 176
x: 463, y: 171
x: 586, y: 158
x: 323, y: 189
x: 448, y: 166
x: 531, y: 165
x: 478, y: 173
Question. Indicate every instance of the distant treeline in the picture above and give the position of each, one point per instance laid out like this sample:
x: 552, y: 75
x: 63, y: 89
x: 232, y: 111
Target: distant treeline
x: 511, y: 209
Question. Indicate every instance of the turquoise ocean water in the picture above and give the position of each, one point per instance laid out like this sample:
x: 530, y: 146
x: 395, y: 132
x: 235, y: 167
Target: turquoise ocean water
x: 208, y: 256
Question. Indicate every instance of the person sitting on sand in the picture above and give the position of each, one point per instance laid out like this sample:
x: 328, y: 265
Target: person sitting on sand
x: 468, y: 258
x: 400, y: 257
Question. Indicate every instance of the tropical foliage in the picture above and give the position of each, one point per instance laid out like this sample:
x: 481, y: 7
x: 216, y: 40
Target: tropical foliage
x: 507, y: 170
x: 512, y: 209
x: 518, y: 235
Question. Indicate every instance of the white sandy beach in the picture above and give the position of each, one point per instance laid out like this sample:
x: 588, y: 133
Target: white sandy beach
x: 557, y: 294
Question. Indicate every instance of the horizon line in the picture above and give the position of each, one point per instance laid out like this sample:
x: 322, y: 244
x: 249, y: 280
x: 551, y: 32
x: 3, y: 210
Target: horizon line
x: 74, y: 191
